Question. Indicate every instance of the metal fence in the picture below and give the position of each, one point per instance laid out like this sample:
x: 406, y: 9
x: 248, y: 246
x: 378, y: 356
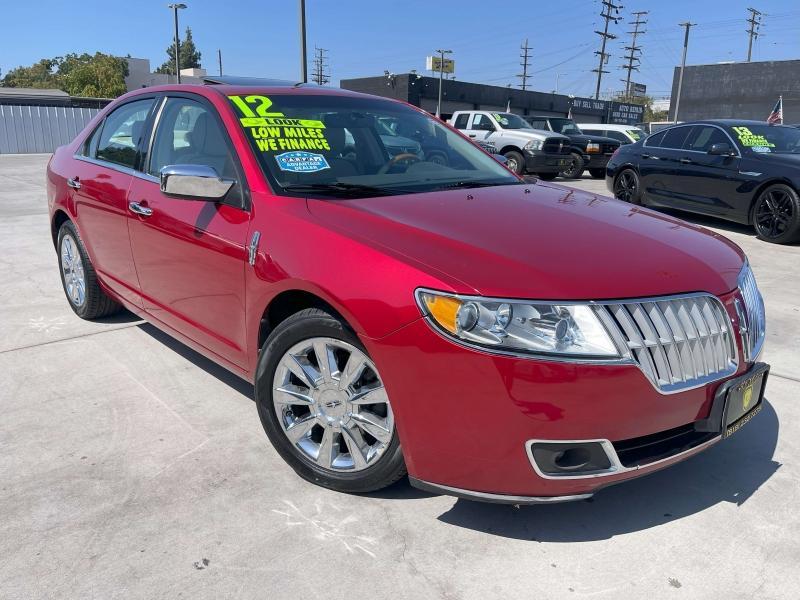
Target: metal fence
x: 29, y: 129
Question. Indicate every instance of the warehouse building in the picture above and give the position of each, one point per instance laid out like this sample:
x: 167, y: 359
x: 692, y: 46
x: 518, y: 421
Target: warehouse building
x: 423, y: 91
x: 743, y: 90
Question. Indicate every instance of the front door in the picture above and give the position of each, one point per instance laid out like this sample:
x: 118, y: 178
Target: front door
x: 190, y: 254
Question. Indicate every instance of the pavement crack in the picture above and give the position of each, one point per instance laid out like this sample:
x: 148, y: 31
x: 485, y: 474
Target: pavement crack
x: 69, y: 338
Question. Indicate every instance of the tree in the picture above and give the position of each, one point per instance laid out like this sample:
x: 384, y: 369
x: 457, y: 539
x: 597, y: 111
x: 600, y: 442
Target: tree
x: 190, y: 55
x: 98, y: 76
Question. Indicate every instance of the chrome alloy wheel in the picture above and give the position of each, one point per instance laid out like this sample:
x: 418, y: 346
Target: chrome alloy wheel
x: 332, y: 405
x: 72, y: 269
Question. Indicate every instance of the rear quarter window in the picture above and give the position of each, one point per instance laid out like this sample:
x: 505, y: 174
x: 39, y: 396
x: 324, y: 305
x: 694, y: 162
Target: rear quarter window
x: 461, y: 121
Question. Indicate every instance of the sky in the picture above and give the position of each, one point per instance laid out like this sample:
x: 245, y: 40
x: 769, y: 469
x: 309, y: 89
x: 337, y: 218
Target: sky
x: 364, y: 38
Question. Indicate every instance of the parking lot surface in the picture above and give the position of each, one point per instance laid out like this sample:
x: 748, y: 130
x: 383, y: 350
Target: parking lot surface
x: 131, y: 467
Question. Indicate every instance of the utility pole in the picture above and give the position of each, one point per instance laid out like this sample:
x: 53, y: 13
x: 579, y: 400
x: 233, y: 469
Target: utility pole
x: 688, y: 26
x: 303, y: 60
x: 755, y: 23
x: 632, y: 56
x: 605, y: 12
x: 441, y: 54
x: 525, y: 63
x: 219, y: 60
x: 175, y: 8
x: 319, y: 75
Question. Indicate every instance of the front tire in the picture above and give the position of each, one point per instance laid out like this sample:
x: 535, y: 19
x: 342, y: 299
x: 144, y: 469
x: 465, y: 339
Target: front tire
x: 575, y: 168
x: 323, y: 405
x: 79, y: 279
x: 776, y: 214
x: 597, y: 173
x: 627, y: 186
x: 515, y: 162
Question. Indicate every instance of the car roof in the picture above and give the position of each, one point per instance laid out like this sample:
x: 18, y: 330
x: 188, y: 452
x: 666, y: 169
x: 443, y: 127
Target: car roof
x: 608, y: 126
x: 260, y: 86
x: 724, y: 122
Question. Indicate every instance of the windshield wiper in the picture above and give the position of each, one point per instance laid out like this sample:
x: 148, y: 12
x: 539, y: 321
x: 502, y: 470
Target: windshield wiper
x: 339, y: 188
x: 475, y: 184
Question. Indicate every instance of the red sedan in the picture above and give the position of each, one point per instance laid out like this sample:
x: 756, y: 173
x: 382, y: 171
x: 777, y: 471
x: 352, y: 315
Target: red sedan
x: 408, y: 309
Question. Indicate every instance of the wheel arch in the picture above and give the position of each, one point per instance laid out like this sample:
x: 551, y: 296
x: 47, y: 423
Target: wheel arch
x: 763, y: 186
x: 509, y: 148
x: 60, y: 217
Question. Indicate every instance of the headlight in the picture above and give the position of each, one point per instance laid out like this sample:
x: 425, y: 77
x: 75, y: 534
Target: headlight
x: 514, y: 326
x: 534, y: 145
x: 592, y: 148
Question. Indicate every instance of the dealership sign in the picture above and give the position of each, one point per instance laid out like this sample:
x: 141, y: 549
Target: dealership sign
x: 436, y: 63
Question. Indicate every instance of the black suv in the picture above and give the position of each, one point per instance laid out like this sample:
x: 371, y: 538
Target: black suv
x: 588, y: 151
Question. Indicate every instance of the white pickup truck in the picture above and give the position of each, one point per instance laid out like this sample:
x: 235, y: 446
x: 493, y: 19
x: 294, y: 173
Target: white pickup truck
x: 527, y: 150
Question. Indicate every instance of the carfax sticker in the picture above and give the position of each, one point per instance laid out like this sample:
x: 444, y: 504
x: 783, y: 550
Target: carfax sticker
x: 301, y: 162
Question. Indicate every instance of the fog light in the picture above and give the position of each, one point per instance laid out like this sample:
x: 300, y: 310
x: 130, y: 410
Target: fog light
x: 564, y: 459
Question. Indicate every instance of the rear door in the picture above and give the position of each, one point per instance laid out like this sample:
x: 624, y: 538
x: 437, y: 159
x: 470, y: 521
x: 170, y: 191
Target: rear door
x: 191, y: 254
x: 660, y: 164
x: 102, y: 174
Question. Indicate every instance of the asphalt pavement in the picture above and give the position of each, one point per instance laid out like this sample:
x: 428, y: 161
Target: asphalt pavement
x: 131, y: 467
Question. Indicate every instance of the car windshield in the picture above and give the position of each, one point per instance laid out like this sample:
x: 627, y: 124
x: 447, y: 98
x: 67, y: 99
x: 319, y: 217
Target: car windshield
x: 565, y: 126
x: 511, y: 121
x: 768, y: 139
x: 330, y: 145
x: 636, y: 133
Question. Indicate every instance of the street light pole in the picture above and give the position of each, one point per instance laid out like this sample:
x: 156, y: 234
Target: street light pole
x: 441, y: 76
x: 175, y: 8
x: 303, y: 59
x: 688, y: 26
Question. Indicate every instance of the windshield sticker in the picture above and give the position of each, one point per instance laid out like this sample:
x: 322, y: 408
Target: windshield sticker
x: 750, y: 140
x: 761, y: 149
x: 301, y: 162
x: 634, y: 134
x: 500, y: 119
x: 273, y: 131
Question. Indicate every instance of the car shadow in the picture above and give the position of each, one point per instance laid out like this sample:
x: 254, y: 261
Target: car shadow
x: 233, y: 381
x: 731, y: 471
x: 119, y: 318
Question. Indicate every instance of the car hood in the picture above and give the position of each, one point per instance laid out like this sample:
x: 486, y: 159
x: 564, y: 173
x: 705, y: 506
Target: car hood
x: 585, y: 138
x: 548, y: 243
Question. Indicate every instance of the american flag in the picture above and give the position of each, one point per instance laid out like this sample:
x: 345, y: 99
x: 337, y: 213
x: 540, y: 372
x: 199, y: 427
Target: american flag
x: 776, y: 116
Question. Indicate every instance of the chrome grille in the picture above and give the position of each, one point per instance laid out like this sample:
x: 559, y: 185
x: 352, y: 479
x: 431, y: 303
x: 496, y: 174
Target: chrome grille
x: 752, y: 321
x: 679, y: 343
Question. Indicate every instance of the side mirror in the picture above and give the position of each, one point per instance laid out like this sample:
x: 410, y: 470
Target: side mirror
x: 500, y: 158
x: 721, y: 149
x: 199, y: 182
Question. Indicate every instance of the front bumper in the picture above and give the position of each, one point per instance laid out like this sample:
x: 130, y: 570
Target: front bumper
x: 537, y: 161
x: 466, y: 418
x: 596, y: 161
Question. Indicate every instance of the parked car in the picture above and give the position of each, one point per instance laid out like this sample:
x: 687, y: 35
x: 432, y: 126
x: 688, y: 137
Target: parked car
x: 624, y: 134
x: 496, y: 339
x: 526, y: 149
x: 587, y: 152
x: 743, y: 171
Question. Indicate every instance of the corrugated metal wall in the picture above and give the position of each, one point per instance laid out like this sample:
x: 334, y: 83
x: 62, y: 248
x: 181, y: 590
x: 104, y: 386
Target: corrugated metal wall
x: 29, y: 129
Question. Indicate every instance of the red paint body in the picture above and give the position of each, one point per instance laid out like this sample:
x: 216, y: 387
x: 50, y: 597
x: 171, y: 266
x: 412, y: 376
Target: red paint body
x: 186, y: 270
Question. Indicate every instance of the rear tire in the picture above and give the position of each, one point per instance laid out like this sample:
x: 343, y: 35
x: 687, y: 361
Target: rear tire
x: 776, y: 215
x: 627, y: 186
x: 516, y: 162
x: 547, y: 176
x: 79, y: 279
x: 597, y: 173
x: 324, y: 409
x: 575, y: 168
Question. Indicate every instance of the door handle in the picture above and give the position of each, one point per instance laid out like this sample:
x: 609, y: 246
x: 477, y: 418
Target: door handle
x: 472, y: 135
x: 645, y: 156
x: 685, y: 161
x: 74, y: 183
x: 139, y: 209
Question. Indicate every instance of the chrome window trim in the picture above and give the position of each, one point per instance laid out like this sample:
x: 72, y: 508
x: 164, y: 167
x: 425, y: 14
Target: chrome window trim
x: 616, y: 467
x: 153, y: 128
x: 733, y: 144
x: 560, y: 358
x: 116, y: 167
x: 492, y: 498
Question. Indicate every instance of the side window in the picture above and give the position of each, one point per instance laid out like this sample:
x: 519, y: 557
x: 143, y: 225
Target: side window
x: 654, y: 141
x: 90, y: 145
x: 461, y: 121
x: 189, y: 134
x: 121, y: 132
x: 539, y: 124
x: 482, y: 123
x: 675, y: 137
x: 703, y: 138
x: 617, y: 135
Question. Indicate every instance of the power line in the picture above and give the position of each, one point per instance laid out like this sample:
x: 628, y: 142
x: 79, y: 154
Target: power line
x: 608, y: 6
x: 755, y: 23
x: 320, y: 76
x: 525, y: 63
x: 633, y: 50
